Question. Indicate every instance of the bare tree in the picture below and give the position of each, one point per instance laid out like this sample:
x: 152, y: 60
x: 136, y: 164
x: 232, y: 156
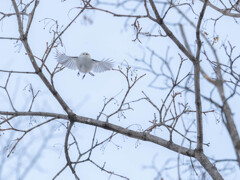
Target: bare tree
x: 197, y: 59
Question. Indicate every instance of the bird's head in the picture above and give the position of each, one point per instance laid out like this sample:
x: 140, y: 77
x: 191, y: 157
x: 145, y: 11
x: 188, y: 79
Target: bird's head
x: 85, y: 54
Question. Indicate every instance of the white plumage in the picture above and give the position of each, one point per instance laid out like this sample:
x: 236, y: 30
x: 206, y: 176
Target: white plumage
x: 84, y: 63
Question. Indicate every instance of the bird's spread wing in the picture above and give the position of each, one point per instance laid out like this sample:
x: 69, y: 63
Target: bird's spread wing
x: 101, y: 66
x: 67, y: 61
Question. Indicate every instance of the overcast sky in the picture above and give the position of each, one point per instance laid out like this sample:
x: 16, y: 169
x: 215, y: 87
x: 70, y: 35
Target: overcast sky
x: 104, y: 36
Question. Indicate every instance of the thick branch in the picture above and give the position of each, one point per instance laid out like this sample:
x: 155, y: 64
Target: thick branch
x: 198, y: 102
x: 230, y: 124
x: 35, y: 66
x: 212, y: 170
x: 207, y: 165
x: 115, y: 128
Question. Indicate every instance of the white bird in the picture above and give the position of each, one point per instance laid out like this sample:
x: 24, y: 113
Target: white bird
x: 84, y: 63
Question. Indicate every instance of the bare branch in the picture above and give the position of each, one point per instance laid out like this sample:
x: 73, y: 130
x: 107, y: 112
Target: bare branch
x: 225, y: 12
x: 197, y: 82
x: 115, y: 128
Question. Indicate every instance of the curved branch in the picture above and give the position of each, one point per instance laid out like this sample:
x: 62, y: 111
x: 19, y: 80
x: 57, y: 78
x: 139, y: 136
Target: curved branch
x: 69, y: 163
x: 225, y: 12
x: 38, y: 70
x: 112, y: 127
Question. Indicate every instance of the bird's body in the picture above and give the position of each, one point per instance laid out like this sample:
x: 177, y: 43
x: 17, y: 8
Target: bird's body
x: 84, y: 63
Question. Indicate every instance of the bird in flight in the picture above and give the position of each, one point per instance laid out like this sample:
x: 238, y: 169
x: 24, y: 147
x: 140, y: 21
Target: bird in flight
x: 84, y: 63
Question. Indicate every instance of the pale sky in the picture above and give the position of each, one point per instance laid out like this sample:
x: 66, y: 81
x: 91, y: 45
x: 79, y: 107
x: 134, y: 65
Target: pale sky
x: 105, y: 37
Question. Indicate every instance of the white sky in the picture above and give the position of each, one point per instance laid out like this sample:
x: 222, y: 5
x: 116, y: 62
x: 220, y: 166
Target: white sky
x: 106, y: 37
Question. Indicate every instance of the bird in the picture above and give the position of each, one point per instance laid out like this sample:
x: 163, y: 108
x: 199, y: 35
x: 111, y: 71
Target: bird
x: 84, y: 63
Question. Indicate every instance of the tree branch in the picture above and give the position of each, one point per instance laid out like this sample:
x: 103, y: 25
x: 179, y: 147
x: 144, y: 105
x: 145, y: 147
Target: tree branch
x: 169, y: 33
x: 225, y: 12
x: 115, y: 128
x: 198, y: 102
